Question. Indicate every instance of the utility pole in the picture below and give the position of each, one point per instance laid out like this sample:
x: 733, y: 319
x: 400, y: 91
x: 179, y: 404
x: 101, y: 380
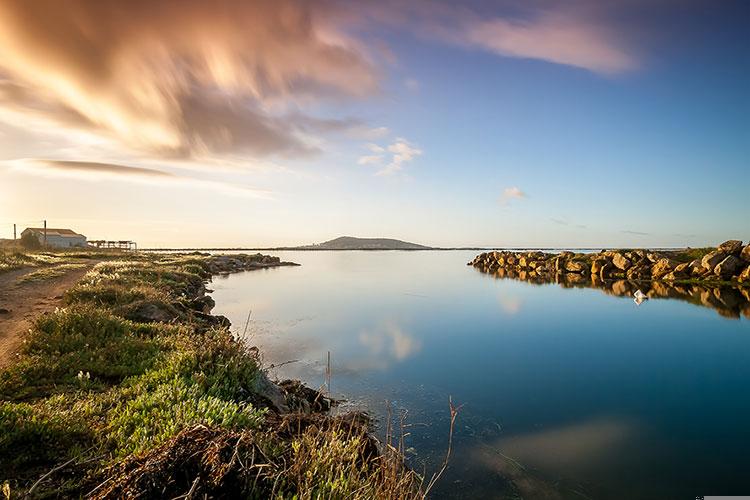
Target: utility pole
x: 45, y: 232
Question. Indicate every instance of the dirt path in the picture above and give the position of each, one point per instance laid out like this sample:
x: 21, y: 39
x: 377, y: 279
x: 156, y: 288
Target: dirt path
x: 26, y: 301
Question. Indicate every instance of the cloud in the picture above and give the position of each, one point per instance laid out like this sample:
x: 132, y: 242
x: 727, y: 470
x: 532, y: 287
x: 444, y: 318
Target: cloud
x: 403, y: 152
x: 370, y: 160
x: 637, y: 233
x: 566, y: 223
x: 512, y: 193
x: 97, y: 171
x: 184, y: 79
x: 555, y: 37
x: 396, y: 154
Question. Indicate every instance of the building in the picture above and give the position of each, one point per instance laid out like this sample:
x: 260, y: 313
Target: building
x: 59, y: 238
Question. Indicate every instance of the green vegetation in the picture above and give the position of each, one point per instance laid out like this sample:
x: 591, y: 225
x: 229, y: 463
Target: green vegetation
x: 102, y: 403
x: 48, y: 273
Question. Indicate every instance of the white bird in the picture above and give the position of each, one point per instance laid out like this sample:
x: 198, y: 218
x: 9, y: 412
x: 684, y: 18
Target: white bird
x: 639, y: 297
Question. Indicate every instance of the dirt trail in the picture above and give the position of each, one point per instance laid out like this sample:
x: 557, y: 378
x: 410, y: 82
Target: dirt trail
x: 26, y: 301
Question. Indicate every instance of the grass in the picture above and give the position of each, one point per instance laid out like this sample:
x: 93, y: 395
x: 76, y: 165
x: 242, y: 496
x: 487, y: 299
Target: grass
x: 48, y: 273
x: 98, y: 399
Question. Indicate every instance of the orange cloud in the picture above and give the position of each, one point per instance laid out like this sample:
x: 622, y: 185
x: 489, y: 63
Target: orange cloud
x: 180, y: 78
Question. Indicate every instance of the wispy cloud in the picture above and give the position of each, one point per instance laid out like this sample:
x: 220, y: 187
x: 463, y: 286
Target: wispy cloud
x: 637, y: 233
x: 392, y: 157
x: 563, y: 222
x: 553, y: 37
x: 567, y: 33
x: 97, y: 171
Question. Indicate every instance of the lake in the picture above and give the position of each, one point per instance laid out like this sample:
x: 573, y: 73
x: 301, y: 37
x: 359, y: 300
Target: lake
x: 566, y: 392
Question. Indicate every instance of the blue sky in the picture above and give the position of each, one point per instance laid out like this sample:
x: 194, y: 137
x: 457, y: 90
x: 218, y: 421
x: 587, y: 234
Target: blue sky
x: 509, y: 124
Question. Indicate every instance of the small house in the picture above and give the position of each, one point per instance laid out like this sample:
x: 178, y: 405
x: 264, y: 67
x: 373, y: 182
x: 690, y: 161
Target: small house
x: 59, y: 238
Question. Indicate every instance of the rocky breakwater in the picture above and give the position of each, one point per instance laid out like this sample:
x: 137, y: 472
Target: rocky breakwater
x: 235, y: 263
x: 714, y: 277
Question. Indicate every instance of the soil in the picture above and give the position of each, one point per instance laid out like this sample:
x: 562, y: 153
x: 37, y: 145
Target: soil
x: 21, y: 303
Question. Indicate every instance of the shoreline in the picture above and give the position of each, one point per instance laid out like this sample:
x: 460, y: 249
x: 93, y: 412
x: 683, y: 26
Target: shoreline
x: 133, y: 386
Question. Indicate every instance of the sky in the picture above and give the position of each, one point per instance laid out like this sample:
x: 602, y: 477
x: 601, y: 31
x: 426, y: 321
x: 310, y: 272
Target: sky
x: 584, y: 123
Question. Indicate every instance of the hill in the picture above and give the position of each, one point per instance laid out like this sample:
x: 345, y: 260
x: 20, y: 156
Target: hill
x: 352, y: 243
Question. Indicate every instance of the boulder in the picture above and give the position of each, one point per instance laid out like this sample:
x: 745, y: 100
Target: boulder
x: 731, y: 246
x: 621, y: 262
x: 152, y: 312
x: 662, y: 268
x: 682, y: 270
x: 597, y: 264
x: 744, y: 276
x: 203, y: 304
x: 576, y: 266
x: 606, y: 271
x: 728, y: 267
x: 638, y: 273
x: 712, y: 259
x: 745, y: 254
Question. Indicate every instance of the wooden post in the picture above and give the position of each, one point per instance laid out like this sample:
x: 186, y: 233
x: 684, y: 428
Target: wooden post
x: 45, y: 232
x: 14, y: 233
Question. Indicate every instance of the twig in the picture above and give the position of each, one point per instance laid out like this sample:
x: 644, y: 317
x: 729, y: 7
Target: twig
x: 48, y: 474
x: 436, y: 477
x: 189, y: 494
x: 61, y: 466
x: 284, y: 363
x: 247, y: 323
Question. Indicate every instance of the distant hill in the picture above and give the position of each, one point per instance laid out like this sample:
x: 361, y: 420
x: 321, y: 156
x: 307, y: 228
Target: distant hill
x: 352, y: 243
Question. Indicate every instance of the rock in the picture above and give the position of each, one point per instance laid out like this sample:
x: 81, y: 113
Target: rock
x: 270, y: 391
x: 606, y: 271
x: 597, y: 265
x: 745, y: 254
x: 744, y: 276
x: 203, y: 304
x: 621, y: 262
x: 682, y: 270
x: 731, y: 246
x: 712, y: 259
x: 4, y: 311
x: 638, y: 273
x: 728, y: 267
x: 152, y: 312
x: 662, y: 268
x: 576, y: 266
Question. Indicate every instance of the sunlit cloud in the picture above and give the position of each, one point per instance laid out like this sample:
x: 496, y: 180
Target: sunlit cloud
x: 96, y: 171
x: 555, y: 37
x: 392, y: 157
x: 512, y: 193
x: 182, y: 79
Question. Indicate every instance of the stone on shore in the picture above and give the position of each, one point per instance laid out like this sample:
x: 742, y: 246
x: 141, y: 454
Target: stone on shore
x: 662, y: 268
x: 621, y: 262
x: 712, y: 259
x: 745, y: 253
x: 727, y: 267
x: 576, y: 266
x: 731, y: 246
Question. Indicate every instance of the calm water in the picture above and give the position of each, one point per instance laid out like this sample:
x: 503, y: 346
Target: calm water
x: 567, y: 392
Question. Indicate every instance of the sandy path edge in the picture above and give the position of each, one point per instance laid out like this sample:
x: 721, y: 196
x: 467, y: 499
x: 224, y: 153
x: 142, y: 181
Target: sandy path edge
x: 26, y: 302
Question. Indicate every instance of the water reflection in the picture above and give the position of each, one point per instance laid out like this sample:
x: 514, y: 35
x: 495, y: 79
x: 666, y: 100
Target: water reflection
x: 730, y: 302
